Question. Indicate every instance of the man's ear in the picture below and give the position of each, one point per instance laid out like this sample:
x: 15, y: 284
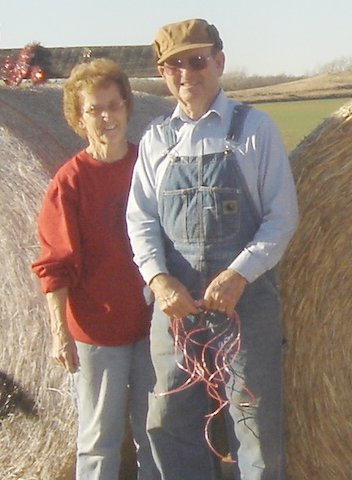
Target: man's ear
x: 161, y: 71
x: 220, y: 62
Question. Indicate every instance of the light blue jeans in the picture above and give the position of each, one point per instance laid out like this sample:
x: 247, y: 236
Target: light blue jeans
x: 108, y: 379
x: 176, y: 422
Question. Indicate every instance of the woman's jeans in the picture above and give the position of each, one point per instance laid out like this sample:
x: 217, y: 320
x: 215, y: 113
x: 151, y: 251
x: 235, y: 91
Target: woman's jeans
x: 111, y: 380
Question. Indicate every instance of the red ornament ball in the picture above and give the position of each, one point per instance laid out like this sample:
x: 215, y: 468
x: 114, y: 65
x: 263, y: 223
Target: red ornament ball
x: 37, y: 75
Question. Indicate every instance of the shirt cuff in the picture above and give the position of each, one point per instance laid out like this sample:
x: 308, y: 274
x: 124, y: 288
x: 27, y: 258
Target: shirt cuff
x: 247, y: 266
x: 152, y: 268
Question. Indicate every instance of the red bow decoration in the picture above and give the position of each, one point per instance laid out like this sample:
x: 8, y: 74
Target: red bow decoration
x: 13, y: 71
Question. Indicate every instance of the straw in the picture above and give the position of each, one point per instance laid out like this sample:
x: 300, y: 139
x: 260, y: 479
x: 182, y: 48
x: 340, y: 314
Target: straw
x: 316, y: 277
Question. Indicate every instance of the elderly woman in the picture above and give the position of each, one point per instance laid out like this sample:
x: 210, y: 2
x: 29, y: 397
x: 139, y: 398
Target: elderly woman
x: 99, y: 319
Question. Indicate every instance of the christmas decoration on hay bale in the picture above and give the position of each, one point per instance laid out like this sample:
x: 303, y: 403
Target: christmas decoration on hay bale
x: 25, y: 66
x: 316, y: 279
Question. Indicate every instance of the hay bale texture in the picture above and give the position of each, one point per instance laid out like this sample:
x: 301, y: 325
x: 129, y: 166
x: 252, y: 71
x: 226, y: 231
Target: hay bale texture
x: 316, y: 286
x: 34, y: 141
x: 316, y: 278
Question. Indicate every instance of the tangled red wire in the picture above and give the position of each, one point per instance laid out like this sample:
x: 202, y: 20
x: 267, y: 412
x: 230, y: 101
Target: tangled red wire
x: 224, y: 331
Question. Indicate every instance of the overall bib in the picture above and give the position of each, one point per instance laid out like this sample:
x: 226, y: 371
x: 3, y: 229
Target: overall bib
x: 208, y: 216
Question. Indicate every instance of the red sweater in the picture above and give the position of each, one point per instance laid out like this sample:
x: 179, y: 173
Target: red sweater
x: 85, y: 247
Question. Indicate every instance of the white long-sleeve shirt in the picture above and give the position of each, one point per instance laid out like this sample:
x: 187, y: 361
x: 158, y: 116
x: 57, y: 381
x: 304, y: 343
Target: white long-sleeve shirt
x: 263, y: 162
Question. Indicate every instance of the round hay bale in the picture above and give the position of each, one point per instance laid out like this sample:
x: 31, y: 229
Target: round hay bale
x: 316, y: 275
x: 34, y: 141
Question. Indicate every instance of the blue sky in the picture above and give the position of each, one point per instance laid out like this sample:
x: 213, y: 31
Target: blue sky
x: 265, y: 37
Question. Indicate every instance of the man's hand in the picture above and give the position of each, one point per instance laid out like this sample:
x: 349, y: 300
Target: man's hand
x: 224, y: 292
x: 172, y: 296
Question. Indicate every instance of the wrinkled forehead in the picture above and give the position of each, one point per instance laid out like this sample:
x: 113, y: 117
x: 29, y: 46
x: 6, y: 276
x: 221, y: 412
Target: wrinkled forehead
x: 100, y: 93
x: 204, y: 51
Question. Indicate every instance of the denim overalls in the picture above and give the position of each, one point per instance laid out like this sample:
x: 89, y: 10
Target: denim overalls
x: 208, y: 217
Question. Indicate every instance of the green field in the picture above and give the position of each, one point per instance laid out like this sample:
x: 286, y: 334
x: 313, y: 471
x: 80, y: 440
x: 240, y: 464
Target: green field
x: 297, y: 119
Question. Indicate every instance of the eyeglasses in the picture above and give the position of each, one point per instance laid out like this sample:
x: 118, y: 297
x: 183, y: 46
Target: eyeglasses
x: 97, y: 110
x: 193, y: 63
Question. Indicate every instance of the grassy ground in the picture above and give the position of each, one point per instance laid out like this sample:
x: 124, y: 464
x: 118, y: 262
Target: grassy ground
x: 297, y: 119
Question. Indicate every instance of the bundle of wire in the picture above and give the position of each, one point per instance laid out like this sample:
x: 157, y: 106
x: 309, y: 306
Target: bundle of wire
x: 209, y: 342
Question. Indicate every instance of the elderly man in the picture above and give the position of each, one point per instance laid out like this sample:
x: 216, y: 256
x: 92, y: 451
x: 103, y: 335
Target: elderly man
x: 211, y: 210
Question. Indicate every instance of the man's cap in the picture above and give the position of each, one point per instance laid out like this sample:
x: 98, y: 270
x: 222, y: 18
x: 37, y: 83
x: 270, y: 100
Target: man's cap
x: 186, y: 35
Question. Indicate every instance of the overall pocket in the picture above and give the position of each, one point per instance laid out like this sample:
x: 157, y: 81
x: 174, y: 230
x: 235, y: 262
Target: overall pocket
x: 201, y: 214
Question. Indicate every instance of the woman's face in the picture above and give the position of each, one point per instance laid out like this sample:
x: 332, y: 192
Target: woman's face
x: 104, y: 115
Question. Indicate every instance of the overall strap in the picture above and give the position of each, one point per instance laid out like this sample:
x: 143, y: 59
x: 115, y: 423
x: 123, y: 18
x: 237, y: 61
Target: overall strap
x: 169, y: 133
x: 240, y: 112
x: 239, y: 115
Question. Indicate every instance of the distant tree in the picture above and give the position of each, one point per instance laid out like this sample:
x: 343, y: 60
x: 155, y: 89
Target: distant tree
x: 153, y: 86
x: 341, y: 64
x: 240, y: 81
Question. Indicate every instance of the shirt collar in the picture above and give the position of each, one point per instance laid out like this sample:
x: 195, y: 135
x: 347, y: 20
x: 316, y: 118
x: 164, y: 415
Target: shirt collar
x: 218, y: 107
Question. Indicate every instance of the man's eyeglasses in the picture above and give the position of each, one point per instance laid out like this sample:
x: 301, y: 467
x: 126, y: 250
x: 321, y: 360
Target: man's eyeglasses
x: 193, y: 62
x: 97, y: 110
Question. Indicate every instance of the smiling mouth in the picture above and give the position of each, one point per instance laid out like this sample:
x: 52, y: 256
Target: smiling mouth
x: 188, y: 84
x: 111, y: 127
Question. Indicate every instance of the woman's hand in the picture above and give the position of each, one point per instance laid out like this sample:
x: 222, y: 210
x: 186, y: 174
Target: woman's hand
x: 64, y: 350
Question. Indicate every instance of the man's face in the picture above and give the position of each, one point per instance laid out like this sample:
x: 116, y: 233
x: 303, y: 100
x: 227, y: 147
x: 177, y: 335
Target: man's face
x: 193, y: 78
